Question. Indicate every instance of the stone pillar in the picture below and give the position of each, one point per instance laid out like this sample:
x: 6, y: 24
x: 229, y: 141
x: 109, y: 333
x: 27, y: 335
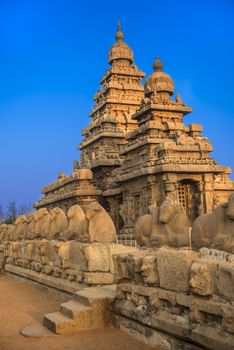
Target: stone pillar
x: 208, y: 193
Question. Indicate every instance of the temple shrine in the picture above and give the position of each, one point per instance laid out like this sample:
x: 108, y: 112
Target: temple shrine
x: 137, y: 150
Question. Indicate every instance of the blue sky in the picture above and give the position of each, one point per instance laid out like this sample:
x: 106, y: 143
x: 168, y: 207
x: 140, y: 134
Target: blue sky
x: 54, y: 52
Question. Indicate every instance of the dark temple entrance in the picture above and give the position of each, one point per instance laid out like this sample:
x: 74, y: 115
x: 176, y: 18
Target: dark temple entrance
x: 189, y: 198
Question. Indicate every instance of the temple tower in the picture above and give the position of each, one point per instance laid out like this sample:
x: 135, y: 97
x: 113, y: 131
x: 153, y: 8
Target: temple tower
x: 117, y: 100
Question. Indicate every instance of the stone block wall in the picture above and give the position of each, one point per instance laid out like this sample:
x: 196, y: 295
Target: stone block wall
x: 60, y: 262
x: 177, y: 298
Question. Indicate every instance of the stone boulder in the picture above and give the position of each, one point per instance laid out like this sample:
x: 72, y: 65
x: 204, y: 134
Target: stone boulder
x: 59, y: 223
x: 215, y: 230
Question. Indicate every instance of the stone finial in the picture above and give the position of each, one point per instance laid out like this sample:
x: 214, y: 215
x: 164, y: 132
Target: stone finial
x: 119, y: 36
x: 158, y: 65
x: 76, y: 165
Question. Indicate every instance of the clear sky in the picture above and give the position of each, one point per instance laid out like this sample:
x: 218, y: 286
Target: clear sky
x: 54, y: 52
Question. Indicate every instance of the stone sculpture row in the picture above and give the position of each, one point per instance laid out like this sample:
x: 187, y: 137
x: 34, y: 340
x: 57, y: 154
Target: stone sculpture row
x: 168, y: 225
x: 89, y: 223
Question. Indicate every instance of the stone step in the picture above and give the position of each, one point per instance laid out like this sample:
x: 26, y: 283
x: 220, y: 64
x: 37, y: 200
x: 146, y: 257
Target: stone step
x: 92, y: 295
x: 89, y: 309
x: 56, y: 322
x: 73, y: 309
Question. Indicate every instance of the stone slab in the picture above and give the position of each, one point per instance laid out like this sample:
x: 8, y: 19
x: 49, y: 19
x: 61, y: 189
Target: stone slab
x: 98, y: 278
x: 174, y: 268
x: 36, y: 331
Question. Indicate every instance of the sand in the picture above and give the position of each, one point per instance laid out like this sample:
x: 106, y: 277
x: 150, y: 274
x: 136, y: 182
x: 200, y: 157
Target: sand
x: 23, y: 304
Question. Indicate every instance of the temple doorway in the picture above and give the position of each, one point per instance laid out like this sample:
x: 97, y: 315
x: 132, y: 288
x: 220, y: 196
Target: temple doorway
x: 189, y: 198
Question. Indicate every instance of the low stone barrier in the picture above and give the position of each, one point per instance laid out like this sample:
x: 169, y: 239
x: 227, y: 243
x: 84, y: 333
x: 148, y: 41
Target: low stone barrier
x: 62, y: 264
x: 176, y: 298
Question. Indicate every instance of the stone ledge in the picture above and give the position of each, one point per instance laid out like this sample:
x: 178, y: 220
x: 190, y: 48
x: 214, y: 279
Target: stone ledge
x: 152, y: 337
x: 53, y: 282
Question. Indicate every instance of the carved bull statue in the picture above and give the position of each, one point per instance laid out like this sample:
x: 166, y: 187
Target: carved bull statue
x: 77, y: 226
x: 167, y: 225
x: 21, y: 228
x: 10, y: 232
x: 3, y: 230
x: 100, y: 225
x: 59, y: 223
x: 31, y: 227
x: 43, y: 221
x: 215, y: 230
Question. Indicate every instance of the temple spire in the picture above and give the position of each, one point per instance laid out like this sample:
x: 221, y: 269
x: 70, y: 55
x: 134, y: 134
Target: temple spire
x: 158, y: 65
x: 119, y: 35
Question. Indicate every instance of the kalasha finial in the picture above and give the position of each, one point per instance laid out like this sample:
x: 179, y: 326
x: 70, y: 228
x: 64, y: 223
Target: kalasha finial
x: 119, y: 36
x: 158, y: 65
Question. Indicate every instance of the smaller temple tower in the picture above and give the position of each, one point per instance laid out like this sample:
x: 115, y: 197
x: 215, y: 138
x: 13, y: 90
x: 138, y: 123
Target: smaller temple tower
x: 164, y: 158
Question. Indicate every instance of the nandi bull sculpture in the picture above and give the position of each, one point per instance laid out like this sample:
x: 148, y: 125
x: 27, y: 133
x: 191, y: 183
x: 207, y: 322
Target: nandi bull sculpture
x: 165, y: 225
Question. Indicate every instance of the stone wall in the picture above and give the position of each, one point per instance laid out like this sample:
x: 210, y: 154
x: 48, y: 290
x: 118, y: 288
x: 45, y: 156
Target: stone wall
x: 177, y: 298
x: 63, y: 264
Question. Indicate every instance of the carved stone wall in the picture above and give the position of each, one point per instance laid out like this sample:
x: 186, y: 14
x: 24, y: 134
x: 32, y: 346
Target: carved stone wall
x: 176, y: 298
x: 62, y: 265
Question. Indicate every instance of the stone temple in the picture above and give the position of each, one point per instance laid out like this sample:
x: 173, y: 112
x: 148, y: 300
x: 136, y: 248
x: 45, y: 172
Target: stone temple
x: 137, y: 150
x: 141, y: 235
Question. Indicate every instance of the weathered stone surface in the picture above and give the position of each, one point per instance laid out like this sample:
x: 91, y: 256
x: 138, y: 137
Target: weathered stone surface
x: 149, y: 269
x: 75, y: 258
x: 225, y: 280
x: 127, y: 266
x: 98, y: 278
x: 49, y: 252
x: 202, y: 279
x: 228, y: 318
x: 119, y: 249
x: 174, y: 268
x: 143, y: 333
x: 97, y: 256
x: 211, y: 338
